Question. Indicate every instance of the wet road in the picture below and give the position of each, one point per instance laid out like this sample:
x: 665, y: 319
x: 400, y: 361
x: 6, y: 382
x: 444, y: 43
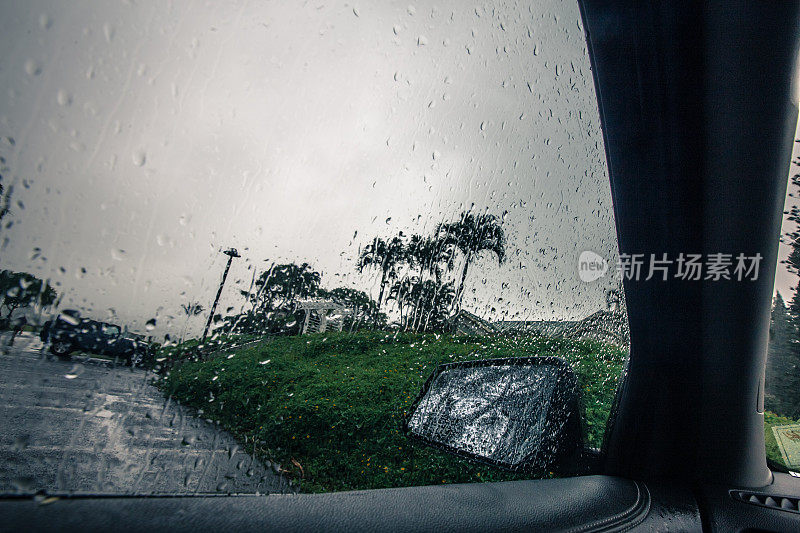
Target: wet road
x: 86, y: 427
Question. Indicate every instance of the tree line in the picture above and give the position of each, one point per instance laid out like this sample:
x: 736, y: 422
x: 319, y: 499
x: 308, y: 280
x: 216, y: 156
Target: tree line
x: 782, y: 379
x: 419, y: 273
x: 421, y: 277
x: 271, y: 301
x: 783, y: 361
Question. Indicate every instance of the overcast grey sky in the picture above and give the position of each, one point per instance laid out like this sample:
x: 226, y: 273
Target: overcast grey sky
x: 148, y: 135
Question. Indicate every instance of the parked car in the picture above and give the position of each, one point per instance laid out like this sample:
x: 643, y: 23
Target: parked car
x: 69, y: 333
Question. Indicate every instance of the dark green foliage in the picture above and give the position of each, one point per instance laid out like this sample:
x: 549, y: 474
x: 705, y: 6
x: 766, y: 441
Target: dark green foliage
x: 334, y: 402
x: 273, y: 299
x: 782, y: 383
x: 20, y: 289
x: 282, y: 285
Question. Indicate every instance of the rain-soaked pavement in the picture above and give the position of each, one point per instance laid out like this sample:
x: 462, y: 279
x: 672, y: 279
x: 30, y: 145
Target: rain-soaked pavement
x: 85, y: 427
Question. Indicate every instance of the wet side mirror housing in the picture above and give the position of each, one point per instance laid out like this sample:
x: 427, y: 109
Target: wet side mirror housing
x: 522, y: 414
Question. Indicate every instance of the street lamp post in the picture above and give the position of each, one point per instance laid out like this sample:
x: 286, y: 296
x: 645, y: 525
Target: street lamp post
x: 231, y: 253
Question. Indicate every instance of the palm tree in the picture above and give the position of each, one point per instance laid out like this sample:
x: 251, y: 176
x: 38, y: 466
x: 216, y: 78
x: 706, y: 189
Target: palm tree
x: 439, y: 299
x: 473, y: 234
x: 423, y: 304
x: 442, y: 259
x: 5, y: 194
x: 385, y: 256
x: 192, y: 309
x: 430, y: 254
x: 402, y: 292
x: 431, y: 302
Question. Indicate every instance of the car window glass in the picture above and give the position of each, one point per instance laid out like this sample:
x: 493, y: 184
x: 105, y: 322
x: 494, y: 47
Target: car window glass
x: 295, y: 211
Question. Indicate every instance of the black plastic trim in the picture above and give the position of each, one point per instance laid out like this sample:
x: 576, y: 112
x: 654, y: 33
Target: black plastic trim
x: 790, y: 504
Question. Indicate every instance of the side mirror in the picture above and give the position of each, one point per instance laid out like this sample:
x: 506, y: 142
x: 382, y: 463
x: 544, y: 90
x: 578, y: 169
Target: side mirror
x: 522, y: 414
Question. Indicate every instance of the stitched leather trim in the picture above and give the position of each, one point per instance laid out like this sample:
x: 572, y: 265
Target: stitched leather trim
x: 625, y: 520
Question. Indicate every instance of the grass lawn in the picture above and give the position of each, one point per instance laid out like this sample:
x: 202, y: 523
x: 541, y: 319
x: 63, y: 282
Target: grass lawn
x: 328, y: 408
